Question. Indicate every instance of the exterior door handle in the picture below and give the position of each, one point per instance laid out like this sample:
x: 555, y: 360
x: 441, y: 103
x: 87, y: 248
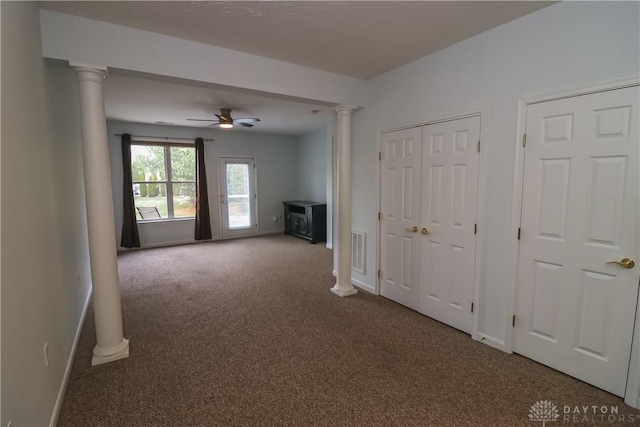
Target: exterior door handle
x: 624, y: 262
x: 424, y: 230
x: 413, y: 229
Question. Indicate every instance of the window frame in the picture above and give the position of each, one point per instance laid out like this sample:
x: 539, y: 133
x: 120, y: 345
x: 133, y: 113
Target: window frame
x: 168, y: 181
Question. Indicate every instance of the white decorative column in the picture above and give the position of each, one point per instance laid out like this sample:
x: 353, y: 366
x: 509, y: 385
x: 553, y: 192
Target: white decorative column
x: 111, y: 343
x: 343, y: 286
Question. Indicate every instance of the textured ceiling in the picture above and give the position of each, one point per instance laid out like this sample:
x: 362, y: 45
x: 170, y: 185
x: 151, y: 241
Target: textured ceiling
x: 356, y: 38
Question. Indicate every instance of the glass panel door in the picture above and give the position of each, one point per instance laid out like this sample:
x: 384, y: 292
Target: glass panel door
x: 237, y: 196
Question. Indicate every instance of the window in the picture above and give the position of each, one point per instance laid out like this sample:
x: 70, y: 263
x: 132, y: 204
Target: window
x: 164, y: 177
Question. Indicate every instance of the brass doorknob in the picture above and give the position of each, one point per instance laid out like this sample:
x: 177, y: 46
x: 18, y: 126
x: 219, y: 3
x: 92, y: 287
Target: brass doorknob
x: 424, y: 230
x: 413, y: 229
x: 624, y: 262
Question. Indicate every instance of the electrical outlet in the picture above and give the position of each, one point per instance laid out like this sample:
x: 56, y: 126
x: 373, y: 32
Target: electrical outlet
x: 46, y: 354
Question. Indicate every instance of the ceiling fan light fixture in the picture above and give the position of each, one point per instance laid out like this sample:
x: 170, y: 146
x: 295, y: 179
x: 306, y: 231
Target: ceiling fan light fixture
x: 226, y: 122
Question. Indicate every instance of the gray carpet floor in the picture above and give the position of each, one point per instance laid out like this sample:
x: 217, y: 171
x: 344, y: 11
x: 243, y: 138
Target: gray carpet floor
x: 246, y: 333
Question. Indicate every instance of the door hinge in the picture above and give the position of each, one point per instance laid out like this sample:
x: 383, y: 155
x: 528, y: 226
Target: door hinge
x: 379, y: 274
x: 513, y: 321
x: 472, y: 307
x: 475, y: 228
x: 478, y: 146
x: 379, y: 216
x: 519, y: 233
x: 379, y: 155
x: 524, y: 139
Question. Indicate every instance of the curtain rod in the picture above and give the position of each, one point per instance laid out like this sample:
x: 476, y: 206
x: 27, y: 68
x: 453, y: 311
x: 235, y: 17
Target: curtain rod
x: 168, y: 138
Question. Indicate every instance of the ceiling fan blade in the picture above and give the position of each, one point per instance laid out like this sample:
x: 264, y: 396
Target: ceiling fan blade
x: 247, y: 120
x: 247, y: 125
x: 202, y: 120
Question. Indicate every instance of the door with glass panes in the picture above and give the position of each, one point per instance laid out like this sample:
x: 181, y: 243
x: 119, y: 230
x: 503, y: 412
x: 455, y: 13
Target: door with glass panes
x: 238, y: 196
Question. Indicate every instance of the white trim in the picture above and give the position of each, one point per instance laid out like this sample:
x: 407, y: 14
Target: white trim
x: 378, y: 236
x: 491, y: 341
x: 193, y: 241
x: 164, y: 140
x: 585, y: 90
x: 481, y: 203
x: 72, y: 356
x: 439, y: 119
x: 481, y: 209
x: 516, y: 212
x: 163, y: 245
x: 364, y: 286
x: 632, y: 393
x: 160, y: 220
x: 253, y: 202
x: 87, y: 65
x: 259, y: 233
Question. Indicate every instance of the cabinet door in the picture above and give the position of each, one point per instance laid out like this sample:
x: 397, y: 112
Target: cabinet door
x: 308, y: 223
x: 297, y: 224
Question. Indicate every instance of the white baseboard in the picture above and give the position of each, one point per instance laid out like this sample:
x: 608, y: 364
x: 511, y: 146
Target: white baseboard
x: 359, y: 284
x: 264, y: 233
x: 162, y: 245
x: 491, y: 341
x: 192, y: 241
x: 363, y: 286
x: 72, y: 356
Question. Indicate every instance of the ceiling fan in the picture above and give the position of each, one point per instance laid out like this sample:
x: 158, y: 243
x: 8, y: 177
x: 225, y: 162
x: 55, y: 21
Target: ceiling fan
x: 225, y: 121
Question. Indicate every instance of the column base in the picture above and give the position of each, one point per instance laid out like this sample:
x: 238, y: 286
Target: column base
x: 344, y: 292
x: 111, y: 354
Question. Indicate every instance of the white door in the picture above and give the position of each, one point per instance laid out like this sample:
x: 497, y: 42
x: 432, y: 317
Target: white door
x: 575, y: 310
x: 400, y: 205
x: 237, y: 196
x: 449, y: 199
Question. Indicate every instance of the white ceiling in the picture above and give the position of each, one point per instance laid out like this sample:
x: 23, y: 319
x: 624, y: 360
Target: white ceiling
x: 138, y: 98
x: 362, y: 39
x: 356, y: 38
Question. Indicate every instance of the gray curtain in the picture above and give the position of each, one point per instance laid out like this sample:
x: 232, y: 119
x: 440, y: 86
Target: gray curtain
x: 130, y: 237
x: 203, y: 220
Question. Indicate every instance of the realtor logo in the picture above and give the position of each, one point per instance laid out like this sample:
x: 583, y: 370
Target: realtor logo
x: 544, y: 411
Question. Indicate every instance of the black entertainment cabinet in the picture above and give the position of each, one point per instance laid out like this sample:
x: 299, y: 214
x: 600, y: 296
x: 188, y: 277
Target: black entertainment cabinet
x: 307, y: 220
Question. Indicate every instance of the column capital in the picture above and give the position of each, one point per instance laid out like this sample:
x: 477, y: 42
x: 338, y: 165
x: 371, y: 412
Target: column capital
x: 344, y: 109
x: 94, y: 70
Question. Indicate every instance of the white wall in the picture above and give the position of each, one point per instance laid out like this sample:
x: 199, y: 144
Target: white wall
x: 69, y: 37
x: 565, y: 46
x: 312, y: 166
x: 276, y: 164
x: 45, y: 264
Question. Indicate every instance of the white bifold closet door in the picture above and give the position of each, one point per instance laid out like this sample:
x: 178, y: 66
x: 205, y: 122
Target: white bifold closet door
x: 449, y: 198
x: 429, y: 203
x: 575, y: 304
x: 400, y: 211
